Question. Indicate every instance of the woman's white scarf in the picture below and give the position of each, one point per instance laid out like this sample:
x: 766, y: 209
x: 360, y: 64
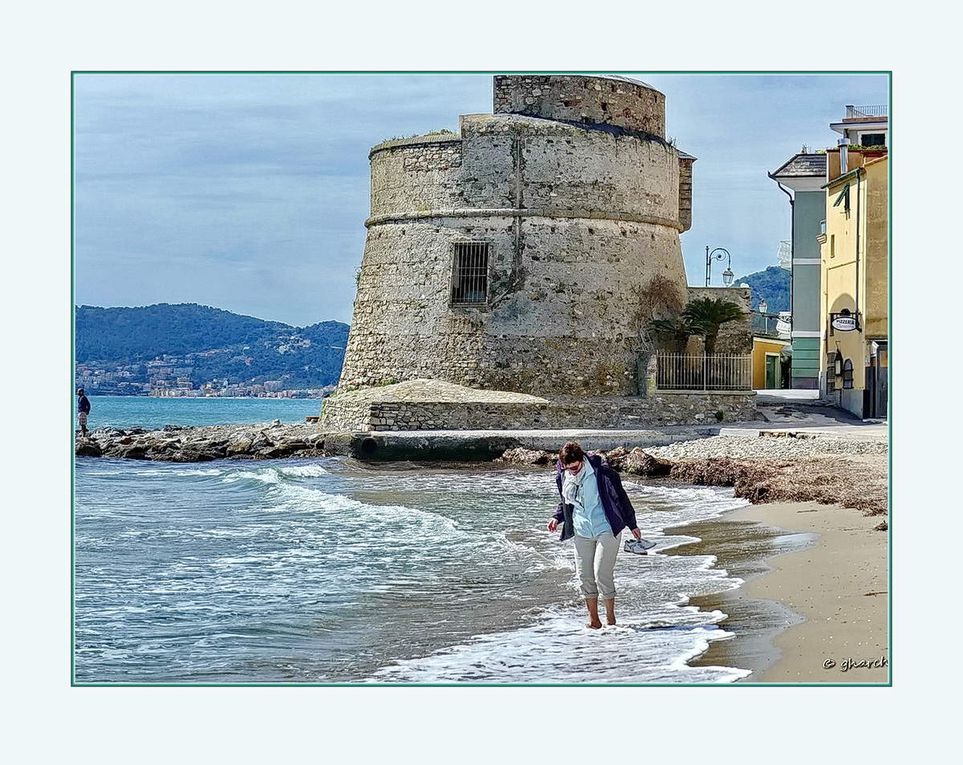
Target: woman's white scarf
x: 572, y: 484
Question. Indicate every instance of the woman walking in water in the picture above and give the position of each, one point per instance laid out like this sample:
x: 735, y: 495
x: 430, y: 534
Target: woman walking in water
x: 594, y: 509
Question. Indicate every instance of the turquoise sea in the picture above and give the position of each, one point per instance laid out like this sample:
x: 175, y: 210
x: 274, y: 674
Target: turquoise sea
x: 151, y: 412
x: 332, y: 570
x: 335, y: 570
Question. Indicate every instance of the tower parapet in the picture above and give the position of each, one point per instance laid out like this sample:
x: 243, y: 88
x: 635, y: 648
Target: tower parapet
x: 590, y: 100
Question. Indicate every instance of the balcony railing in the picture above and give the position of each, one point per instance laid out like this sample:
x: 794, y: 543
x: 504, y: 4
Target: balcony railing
x: 767, y: 324
x: 862, y: 112
x: 724, y: 371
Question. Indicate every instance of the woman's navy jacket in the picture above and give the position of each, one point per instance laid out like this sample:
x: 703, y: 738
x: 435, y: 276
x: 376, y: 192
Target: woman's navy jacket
x: 618, y: 510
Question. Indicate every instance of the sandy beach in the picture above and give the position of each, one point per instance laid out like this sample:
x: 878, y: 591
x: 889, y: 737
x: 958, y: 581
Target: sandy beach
x: 812, y: 549
x: 816, y: 613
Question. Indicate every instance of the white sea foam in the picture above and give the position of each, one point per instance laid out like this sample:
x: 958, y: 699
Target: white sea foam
x: 320, y: 547
x: 155, y: 472
x: 305, y: 471
x: 560, y: 649
x: 265, y: 475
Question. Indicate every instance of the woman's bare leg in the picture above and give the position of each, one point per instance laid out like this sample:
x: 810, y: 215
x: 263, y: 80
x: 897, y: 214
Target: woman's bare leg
x: 610, y: 611
x: 592, y: 604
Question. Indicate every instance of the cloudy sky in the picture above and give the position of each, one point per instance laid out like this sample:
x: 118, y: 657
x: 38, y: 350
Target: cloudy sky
x: 249, y: 192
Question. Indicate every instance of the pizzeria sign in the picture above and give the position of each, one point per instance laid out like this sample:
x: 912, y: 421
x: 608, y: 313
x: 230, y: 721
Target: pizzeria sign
x: 844, y: 322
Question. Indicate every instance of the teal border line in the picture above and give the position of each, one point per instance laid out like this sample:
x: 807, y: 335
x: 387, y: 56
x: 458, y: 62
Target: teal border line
x: 889, y: 373
x: 74, y: 683
x: 70, y: 408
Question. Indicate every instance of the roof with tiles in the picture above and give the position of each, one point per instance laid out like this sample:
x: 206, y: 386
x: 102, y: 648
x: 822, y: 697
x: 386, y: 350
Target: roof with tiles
x: 803, y: 166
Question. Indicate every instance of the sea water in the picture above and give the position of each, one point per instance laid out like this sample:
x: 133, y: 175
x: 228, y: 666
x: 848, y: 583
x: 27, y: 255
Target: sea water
x: 155, y: 412
x: 334, y: 571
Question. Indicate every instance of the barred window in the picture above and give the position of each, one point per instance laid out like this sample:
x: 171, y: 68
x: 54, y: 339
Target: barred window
x: 848, y: 374
x: 469, y: 284
x: 831, y: 377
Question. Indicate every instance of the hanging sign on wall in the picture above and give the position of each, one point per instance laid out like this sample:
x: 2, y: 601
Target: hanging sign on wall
x: 844, y: 323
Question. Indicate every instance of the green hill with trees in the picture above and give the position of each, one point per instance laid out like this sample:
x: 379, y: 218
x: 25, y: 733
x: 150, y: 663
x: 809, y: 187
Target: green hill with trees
x: 214, y: 344
x: 773, y: 284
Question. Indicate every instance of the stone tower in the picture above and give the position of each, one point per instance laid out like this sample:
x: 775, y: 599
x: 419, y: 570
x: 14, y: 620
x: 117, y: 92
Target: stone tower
x: 526, y: 252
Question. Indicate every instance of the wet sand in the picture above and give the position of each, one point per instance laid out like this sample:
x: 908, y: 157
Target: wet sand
x: 815, y: 604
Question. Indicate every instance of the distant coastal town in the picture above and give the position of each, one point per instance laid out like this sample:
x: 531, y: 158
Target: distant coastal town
x: 172, y: 377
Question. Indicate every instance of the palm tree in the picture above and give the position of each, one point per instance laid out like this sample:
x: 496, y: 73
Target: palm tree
x: 674, y: 332
x: 707, y: 315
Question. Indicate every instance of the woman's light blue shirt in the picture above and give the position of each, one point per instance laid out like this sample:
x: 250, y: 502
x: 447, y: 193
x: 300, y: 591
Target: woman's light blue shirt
x: 582, y: 491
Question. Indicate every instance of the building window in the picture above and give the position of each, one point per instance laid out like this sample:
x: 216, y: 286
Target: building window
x: 832, y: 245
x: 830, y: 378
x: 843, y: 199
x: 848, y: 374
x: 873, y: 139
x: 469, y: 284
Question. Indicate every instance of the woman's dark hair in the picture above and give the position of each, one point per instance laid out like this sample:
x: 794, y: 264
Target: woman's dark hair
x: 571, y: 452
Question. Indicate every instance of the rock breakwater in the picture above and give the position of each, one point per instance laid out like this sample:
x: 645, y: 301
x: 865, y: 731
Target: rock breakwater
x: 203, y: 444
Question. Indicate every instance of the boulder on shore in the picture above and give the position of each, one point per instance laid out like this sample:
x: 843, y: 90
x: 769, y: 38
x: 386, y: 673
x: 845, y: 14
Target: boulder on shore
x: 637, y: 462
x: 522, y: 456
x: 203, y: 444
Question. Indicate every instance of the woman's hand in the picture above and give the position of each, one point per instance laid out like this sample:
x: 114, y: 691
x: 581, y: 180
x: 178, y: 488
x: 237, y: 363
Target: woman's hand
x: 636, y: 533
x: 552, y: 525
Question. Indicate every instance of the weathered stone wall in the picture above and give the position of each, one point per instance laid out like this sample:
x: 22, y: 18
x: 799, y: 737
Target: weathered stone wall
x: 415, y: 175
x: 685, y: 192
x: 579, y: 223
x: 519, y: 166
x: 734, y: 336
x: 659, y: 409
x: 593, y: 100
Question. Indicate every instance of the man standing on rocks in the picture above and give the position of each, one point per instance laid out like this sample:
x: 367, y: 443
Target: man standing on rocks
x: 83, y: 409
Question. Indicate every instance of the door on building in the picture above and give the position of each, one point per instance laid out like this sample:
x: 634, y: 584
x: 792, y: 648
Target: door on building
x: 880, y: 392
x: 772, y: 370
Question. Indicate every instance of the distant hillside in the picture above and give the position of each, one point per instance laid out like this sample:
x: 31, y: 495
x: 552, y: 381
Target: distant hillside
x: 204, y: 344
x: 773, y: 284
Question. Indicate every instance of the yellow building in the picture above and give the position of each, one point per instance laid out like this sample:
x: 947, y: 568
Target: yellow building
x: 854, y: 251
x: 767, y: 363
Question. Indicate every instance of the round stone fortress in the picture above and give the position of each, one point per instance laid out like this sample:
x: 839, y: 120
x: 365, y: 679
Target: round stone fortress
x: 526, y: 252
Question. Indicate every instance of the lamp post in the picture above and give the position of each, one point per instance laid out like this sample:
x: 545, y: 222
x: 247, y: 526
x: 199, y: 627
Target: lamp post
x: 718, y: 254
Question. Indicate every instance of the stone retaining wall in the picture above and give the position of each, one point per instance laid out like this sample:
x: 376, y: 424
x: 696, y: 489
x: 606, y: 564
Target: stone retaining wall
x: 659, y: 409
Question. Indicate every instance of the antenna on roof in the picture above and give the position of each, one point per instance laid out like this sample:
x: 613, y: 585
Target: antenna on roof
x: 784, y: 255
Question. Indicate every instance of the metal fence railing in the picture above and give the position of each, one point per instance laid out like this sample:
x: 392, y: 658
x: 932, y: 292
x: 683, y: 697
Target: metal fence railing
x: 723, y: 371
x: 859, y: 112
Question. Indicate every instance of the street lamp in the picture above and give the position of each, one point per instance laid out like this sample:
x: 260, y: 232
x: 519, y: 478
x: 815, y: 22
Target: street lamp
x: 719, y: 253
x: 763, y: 306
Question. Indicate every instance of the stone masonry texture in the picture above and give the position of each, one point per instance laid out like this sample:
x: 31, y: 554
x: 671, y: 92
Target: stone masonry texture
x: 431, y: 405
x: 580, y: 200
x: 735, y: 336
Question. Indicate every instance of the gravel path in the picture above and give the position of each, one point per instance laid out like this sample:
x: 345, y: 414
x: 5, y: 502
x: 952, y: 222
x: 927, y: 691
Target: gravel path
x: 768, y: 447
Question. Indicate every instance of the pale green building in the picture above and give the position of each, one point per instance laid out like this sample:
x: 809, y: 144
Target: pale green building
x: 802, y: 178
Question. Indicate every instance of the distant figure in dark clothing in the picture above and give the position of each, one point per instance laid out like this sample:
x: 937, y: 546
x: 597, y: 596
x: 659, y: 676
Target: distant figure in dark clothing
x: 83, y: 409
